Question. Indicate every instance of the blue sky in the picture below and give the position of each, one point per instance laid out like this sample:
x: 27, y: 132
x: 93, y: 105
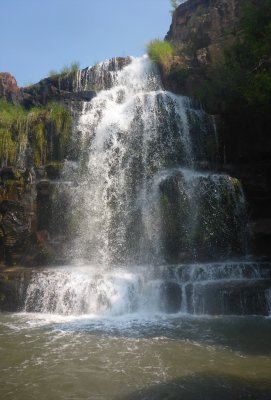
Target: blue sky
x: 40, y: 35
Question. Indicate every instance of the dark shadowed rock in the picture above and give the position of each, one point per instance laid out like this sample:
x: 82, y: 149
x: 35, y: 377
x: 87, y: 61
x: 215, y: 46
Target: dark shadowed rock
x: 171, y: 297
x: 245, y: 297
x: 13, y: 286
x: 53, y: 89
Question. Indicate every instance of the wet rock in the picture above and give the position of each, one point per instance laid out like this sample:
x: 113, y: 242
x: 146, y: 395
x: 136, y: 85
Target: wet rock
x: 17, y: 214
x: 44, y: 204
x: 13, y: 286
x: 53, y: 170
x: 203, y: 217
x: 175, y: 212
x: 9, y: 173
x: 171, y: 297
x: 246, y: 297
x: 99, y: 77
x: 256, y: 181
x: 15, y: 230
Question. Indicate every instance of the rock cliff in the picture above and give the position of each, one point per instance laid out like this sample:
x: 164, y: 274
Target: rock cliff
x: 202, y: 28
x: 201, y: 32
x: 71, y: 87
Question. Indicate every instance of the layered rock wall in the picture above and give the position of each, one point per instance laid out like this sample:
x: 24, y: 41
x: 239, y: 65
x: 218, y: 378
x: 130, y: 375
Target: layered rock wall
x: 201, y: 30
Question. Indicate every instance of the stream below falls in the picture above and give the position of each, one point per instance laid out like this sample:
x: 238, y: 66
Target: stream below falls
x: 120, y: 334
x: 47, y: 356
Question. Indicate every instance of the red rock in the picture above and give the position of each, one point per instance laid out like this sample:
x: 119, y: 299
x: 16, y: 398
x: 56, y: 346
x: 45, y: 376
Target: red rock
x: 8, y: 86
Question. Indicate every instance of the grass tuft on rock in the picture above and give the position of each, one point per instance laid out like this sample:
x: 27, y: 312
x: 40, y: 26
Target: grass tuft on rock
x: 160, y: 51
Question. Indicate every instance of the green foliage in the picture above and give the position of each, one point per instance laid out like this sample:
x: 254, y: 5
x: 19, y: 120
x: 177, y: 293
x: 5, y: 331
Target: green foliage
x: 60, y: 120
x: 12, y: 131
x: 53, y: 73
x: 7, y: 147
x: 39, y: 127
x: 65, y: 70
x: 160, y: 51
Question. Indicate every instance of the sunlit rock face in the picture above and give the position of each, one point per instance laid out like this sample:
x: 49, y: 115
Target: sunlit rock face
x: 202, y: 28
x: 9, y: 89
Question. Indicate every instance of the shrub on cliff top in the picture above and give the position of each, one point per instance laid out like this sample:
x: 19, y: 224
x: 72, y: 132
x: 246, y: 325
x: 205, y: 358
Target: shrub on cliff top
x: 160, y: 51
x: 67, y: 69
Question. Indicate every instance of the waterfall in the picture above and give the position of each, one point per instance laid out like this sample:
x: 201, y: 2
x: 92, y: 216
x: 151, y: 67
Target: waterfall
x: 140, y: 198
x: 153, y: 225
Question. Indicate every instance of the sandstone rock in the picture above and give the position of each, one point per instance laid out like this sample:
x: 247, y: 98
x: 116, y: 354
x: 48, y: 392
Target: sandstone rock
x: 204, y: 27
x: 9, y: 89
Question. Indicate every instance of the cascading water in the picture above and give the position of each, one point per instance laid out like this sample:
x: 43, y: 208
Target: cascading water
x: 145, y: 198
x: 142, y: 148
x: 228, y: 288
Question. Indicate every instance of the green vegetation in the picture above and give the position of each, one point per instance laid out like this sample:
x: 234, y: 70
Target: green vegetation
x: 46, y: 129
x: 161, y: 52
x: 13, y: 134
x: 66, y: 70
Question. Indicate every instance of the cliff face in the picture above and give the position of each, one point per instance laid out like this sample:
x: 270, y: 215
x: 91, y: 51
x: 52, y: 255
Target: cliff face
x: 201, y: 31
x: 202, y: 28
x: 48, y: 89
